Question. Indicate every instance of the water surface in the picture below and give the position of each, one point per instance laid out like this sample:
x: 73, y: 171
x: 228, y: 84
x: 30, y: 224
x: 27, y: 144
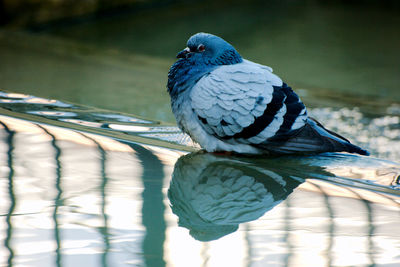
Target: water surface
x: 81, y: 185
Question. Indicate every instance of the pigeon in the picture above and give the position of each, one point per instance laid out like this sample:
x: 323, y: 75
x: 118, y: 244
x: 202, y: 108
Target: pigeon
x: 229, y: 104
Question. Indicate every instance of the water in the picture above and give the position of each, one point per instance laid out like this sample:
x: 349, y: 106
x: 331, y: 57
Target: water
x: 81, y: 185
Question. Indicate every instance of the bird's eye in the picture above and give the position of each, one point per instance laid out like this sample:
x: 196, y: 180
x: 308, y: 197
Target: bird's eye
x: 201, y: 48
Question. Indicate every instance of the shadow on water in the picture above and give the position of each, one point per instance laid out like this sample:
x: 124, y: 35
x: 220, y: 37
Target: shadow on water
x: 108, y: 202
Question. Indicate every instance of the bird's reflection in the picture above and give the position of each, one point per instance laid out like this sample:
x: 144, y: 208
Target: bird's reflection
x: 212, y: 194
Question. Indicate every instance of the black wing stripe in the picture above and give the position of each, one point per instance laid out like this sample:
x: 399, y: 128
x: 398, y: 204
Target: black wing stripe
x: 262, y: 122
x: 282, y: 95
x: 293, y: 109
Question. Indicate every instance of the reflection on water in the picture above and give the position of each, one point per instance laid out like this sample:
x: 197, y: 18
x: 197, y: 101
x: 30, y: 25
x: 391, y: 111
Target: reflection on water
x: 212, y: 195
x: 9, y: 140
x: 60, y: 194
x: 69, y: 197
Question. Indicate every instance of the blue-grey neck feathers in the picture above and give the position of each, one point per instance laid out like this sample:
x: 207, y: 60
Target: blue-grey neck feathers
x: 187, y: 71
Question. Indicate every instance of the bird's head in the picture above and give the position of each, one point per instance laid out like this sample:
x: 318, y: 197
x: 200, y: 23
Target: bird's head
x: 204, y: 52
x: 209, y: 49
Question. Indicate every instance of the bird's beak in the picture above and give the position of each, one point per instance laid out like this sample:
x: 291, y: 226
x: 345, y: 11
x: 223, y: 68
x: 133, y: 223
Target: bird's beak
x: 183, y: 53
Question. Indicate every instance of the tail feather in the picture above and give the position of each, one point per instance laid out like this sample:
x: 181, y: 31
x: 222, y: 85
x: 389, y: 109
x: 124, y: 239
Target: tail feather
x: 313, y: 138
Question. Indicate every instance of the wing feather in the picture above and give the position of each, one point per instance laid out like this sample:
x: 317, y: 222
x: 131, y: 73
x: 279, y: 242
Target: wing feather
x: 246, y: 102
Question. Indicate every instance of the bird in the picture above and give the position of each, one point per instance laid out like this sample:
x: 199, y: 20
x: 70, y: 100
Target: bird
x: 226, y: 103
